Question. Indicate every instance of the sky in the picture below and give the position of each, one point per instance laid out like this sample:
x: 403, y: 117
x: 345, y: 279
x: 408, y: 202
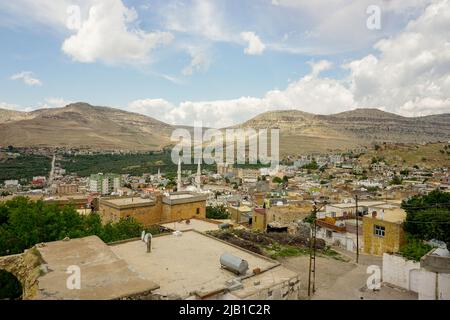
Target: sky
x: 224, y: 62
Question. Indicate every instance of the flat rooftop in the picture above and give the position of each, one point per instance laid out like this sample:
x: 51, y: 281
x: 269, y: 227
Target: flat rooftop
x: 104, y: 275
x: 184, y: 197
x: 194, y: 224
x: 180, y: 196
x: 128, y: 202
x: 386, y: 206
x: 190, y: 264
x: 360, y: 204
x: 397, y: 215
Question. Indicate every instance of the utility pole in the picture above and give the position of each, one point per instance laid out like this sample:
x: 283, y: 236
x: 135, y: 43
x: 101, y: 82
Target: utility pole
x: 357, y: 229
x: 312, y: 251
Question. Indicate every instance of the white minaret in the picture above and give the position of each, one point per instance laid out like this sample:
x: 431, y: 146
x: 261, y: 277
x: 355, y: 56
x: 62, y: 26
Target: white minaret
x: 159, y: 173
x: 179, y: 175
x: 198, y: 179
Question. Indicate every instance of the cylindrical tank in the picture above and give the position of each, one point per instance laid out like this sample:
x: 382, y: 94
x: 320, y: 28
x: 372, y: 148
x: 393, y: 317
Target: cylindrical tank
x: 233, y: 263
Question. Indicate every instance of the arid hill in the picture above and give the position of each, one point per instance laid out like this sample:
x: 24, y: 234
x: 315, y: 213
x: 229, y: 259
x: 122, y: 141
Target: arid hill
x: 302, y: 132
x: 85, y: 126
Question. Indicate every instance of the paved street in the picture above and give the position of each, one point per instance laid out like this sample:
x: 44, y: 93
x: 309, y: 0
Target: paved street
x: 338, y: 280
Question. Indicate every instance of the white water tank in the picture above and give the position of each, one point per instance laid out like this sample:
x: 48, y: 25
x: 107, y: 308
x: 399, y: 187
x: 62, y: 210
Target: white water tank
x: 233, y: 263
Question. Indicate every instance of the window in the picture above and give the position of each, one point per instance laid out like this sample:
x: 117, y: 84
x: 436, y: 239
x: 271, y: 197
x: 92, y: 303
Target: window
x: 198, y: 211
x: 329, y: 234
x: 378, y: 231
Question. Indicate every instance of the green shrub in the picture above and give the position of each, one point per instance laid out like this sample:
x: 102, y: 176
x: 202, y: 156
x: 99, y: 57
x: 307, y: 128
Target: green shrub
x: 414, y: 249
x: 218, y: 212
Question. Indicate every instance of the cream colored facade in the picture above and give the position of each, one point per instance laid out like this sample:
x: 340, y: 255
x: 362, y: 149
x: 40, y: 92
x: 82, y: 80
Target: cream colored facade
x: 172, y: 207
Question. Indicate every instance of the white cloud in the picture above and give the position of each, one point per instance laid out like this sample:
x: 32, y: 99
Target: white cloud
x: 156, y: 108
x: 255, y: 45
x: 318, y: 67
x: 200, y: 60
x: 9, y: 106
x: 50, y: 102
x: 50, y: 13
x: 108, y: 35
x: 28, y: 78
x: 408, y: 74
x: 54, y: 102
x: 310, y: 93
x: 201, y: 17
x: 411, y: 72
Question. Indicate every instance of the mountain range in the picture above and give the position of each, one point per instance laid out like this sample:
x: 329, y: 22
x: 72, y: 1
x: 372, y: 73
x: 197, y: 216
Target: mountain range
x: 81, y: 125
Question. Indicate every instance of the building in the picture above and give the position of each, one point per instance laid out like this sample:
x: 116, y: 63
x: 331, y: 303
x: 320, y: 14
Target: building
x: 63, y: 188
x: 223, y: 169
x: 39, y: 181
x: 259, y: 219
x: 338, y: 210
x: 42, y: 271
x: 104, y: 183
x: 383, y: 230
x: 248, y: 175
x: 240, y: 213
x: 284, y: 216
x: 79, y: 202
x: 158, y: 209
x: 187, y: 266
x: 12, y: 185
x: 341, y: 232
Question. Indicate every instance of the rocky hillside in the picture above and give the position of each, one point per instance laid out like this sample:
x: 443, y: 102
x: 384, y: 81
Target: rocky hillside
x: 83, y: 125
x: 305, y: 133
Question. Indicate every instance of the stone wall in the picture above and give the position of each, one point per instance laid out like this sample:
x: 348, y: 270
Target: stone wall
x: 26, y: 268
x: 397, y: 270
x: 409, y: 275
x: 183, y: 211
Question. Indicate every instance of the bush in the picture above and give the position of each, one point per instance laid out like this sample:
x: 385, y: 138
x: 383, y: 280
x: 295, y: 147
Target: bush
x: 414, y: 249
x: 277, y: 180
x: 219, y: 212
x: 311, y: 166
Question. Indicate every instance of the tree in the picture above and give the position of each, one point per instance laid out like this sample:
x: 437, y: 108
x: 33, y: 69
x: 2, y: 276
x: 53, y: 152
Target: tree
x: 311, y: 166
x: 397, y: 180
x: 428, y: 216
x: 277, y: 180
x: 217, y: 212
x: 24, y: 223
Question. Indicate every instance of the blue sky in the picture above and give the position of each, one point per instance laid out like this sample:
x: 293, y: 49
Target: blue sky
x: 222, y: 62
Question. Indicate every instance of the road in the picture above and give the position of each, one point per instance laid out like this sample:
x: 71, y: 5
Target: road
x: 343, y: 280
x: 52, y: 171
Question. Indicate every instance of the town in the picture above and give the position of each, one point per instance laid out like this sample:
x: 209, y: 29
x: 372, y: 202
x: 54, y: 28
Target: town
x: 311, y: 228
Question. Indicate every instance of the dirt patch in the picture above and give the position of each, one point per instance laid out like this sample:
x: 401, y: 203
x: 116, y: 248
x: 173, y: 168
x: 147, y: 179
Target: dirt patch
x: 272, y: 244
